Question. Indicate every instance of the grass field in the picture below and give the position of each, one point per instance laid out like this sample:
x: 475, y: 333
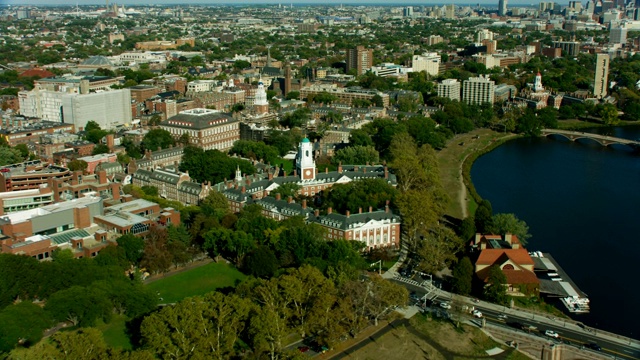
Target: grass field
x: 197, y: 281
x: 115, y: 333
x: 450, y: 160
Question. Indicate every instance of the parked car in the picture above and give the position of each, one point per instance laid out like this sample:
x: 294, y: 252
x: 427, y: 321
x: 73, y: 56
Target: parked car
x: 304, y: 349
x: 552, y: 334
x: 502, y: 317
x: 476, y: 313
x: 476, y: 301
x: 445, y: 305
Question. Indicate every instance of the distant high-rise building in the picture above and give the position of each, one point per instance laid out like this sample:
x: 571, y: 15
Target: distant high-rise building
x: 484, y: 34
x: 478, y: 90
x: 408, y: 11
x: 618, y: 35
x: 429, y: 62
x: 360, y: 59
x: 450, y: 11
x: 449, y: 88
x: 502, y: 7
x: 602, y: 76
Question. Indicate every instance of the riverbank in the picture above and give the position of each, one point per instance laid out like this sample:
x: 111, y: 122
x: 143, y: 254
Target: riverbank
x: 455, y: 162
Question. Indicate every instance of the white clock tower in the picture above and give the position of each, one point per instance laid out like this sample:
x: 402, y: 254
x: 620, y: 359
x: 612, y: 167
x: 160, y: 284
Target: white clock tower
x: 305, y: 165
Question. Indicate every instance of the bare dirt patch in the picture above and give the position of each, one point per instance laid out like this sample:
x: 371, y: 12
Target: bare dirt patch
x: 463, y: 341
x: 398, y: 344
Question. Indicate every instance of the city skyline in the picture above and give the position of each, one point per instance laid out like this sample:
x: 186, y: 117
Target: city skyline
x: 267, y: 2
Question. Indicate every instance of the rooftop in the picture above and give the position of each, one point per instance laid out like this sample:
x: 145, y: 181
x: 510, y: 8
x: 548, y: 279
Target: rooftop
x: 22, y: 216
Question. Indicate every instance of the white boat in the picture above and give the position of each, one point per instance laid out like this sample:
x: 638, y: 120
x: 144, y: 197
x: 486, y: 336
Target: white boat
x: 576, y: 304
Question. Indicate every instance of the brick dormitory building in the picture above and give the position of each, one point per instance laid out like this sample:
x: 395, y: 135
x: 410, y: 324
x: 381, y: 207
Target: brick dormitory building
x: 375, y: 227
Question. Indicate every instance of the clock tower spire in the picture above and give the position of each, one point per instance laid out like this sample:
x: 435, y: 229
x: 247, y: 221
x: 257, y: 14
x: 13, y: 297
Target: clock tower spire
x: 305, y: 164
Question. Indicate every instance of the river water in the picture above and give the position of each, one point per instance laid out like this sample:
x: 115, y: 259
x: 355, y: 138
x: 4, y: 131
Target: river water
x: 582, y: 204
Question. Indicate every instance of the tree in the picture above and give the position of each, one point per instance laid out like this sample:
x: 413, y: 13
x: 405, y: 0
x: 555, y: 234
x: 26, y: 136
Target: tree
x: 23, y: 149
x: 308, y: 289
x: 199, y: 327
x: 262, y: 262
x: 609, y: 114
x: 359, y: 195
x: 154, y: 120
x: 496, y: 288
x: 156, y: 257
x: 467, y: 228
x: 133, y: 247
x: 386, y: 295
x: 484, y: 217
x: 293, y: 95
x: 215, y: 204
x: 80, y: 305
x: 9, y: 156
x: 23, y: 324
x: 77, y: 165
x: 462, y: 277
x: 286, y: 190
x: 438, y: 249
x: 357, y: 155
x: 100, y: 149
x: 509, y: 223
x: 359, y: 137
x: 157, y: 139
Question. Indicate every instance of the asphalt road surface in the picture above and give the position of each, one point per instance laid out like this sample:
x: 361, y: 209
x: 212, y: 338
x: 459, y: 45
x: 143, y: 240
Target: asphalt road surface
x: 535, y: 324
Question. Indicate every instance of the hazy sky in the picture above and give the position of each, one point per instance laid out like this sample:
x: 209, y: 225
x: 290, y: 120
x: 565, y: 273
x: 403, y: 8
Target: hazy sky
x: 233, y: 2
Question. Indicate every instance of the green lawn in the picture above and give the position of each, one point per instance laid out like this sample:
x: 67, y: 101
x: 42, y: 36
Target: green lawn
x: 196, y: 281
x: 115, y: 332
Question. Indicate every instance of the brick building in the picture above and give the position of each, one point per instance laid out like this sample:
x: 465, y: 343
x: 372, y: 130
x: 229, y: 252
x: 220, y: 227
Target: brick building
x: 207, y: 129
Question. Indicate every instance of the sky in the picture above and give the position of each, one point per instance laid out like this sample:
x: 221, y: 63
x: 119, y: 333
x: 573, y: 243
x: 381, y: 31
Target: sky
x: 238, y: 2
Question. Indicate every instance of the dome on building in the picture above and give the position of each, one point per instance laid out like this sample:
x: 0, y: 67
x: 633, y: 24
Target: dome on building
x: 97, y: 61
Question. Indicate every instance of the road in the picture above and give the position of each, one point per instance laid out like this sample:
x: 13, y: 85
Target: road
x: 569, y: 332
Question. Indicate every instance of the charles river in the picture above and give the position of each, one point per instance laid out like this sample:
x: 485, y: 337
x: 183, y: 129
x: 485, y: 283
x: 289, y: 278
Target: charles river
x: 582, y: 204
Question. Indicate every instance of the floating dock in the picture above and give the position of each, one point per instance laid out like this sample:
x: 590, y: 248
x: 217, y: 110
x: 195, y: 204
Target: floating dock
x: 555, y: 282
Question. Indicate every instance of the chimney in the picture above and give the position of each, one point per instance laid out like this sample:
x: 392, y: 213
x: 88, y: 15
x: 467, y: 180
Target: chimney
x: 253, y: 196
x: 284, y: 173
x: 289, y: 199
x: 329, y: 210
x: 364, y: 169
x: 270, y: 176
x: 278, y: 196
x: 304, y: 204
x: 248, y: 181
x: 355, y: 168
x: 386, y: 172
x: 102, y: 177
x: 326, y: 170
x: 340, y: 167
x: 244, y: 189
x: 359, y: 210
x: 348, y: 213
x: 265, y: 193
x: 316, y: 213
x: 370, y: 208
x: 295, y: 172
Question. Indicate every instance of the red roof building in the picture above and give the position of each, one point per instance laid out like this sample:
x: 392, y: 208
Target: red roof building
x: 514, y: 261
x: 41, y: 73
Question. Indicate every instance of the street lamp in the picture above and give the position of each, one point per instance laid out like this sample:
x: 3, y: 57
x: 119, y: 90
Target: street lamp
x: 379, y: 262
